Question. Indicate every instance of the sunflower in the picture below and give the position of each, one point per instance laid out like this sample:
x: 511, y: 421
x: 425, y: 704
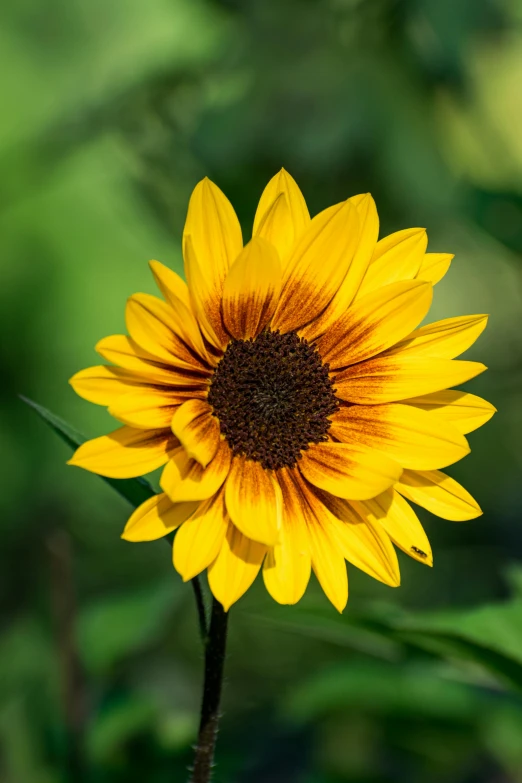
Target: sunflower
x: 290, y: 397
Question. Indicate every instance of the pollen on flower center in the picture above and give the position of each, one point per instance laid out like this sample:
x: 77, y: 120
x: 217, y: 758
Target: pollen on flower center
x: 273, y: 397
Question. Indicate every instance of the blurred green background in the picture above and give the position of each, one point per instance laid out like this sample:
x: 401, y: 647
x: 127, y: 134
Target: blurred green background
x: 111, y: 112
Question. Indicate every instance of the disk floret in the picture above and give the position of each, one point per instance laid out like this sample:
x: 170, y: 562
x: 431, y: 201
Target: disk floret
x: 273, y: 397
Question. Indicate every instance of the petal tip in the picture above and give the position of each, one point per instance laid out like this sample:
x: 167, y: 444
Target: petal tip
x: 76, y: 462
x: 72, y: 380
x: 224, y: 603
x: 475, y: 514
x: 127, y: 536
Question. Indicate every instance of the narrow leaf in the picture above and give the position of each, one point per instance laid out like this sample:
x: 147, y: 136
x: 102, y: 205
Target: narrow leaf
x: 490, y: 634
x: 135, y: 491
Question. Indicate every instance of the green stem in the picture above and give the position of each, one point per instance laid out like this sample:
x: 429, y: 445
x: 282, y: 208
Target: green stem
x: 213, y: 681
x: 198, y: 595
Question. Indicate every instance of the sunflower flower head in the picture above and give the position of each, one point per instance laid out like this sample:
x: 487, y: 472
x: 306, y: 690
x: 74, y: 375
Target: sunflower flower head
x: 290, y: 396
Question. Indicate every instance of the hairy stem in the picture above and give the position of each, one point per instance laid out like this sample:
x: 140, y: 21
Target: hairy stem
x: 213, y: 681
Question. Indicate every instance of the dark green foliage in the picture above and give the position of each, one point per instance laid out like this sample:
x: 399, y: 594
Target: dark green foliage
x: 111, y: 112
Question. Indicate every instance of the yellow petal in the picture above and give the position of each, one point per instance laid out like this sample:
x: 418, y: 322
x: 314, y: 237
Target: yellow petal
x: 123, y: 351
x: 144, y: 368
x: 253, y: 500
x: 156, y: 517
x: 103, y: 385
x: 363, y: 542
x: 375, y: 322
x: 439, y: 494
x: 171, y: 285
x: 466, y: 412
x: 317, y: 266
x: 273, y: 227
x: 434, y: 266
x: 186, y: 325
x: 400, y: 522
x: 205, y: 304
x: 197, y: 430
x: 282, y: 215
x: 125, y: 453
x: 329, y: 566
x: 211, y: 242
x: 396, y: 257
x: 251, y: 290
x: 287, y: 566
x: 369, y: 231
x: 214, y: 228
x: 389, y: 378
x: 151, y: 324
x: 327, y: 558
x: 444, y: 339
x: 199, y: 540
x: 184, y: 479
x: 146, y: 408
x: 235, y: 567
x: 413, y: 438
x: 348, y: 471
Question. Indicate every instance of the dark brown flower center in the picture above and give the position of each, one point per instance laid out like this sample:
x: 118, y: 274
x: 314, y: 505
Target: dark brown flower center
x: 272, y: 397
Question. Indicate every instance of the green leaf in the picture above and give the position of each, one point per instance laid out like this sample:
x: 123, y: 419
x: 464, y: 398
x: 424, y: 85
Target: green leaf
x: 407, y: 690
x: 136, y: 490
x: 344, y: 632
x: 490, y: 635
x: 114, y: 726
x: 116, y: 627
